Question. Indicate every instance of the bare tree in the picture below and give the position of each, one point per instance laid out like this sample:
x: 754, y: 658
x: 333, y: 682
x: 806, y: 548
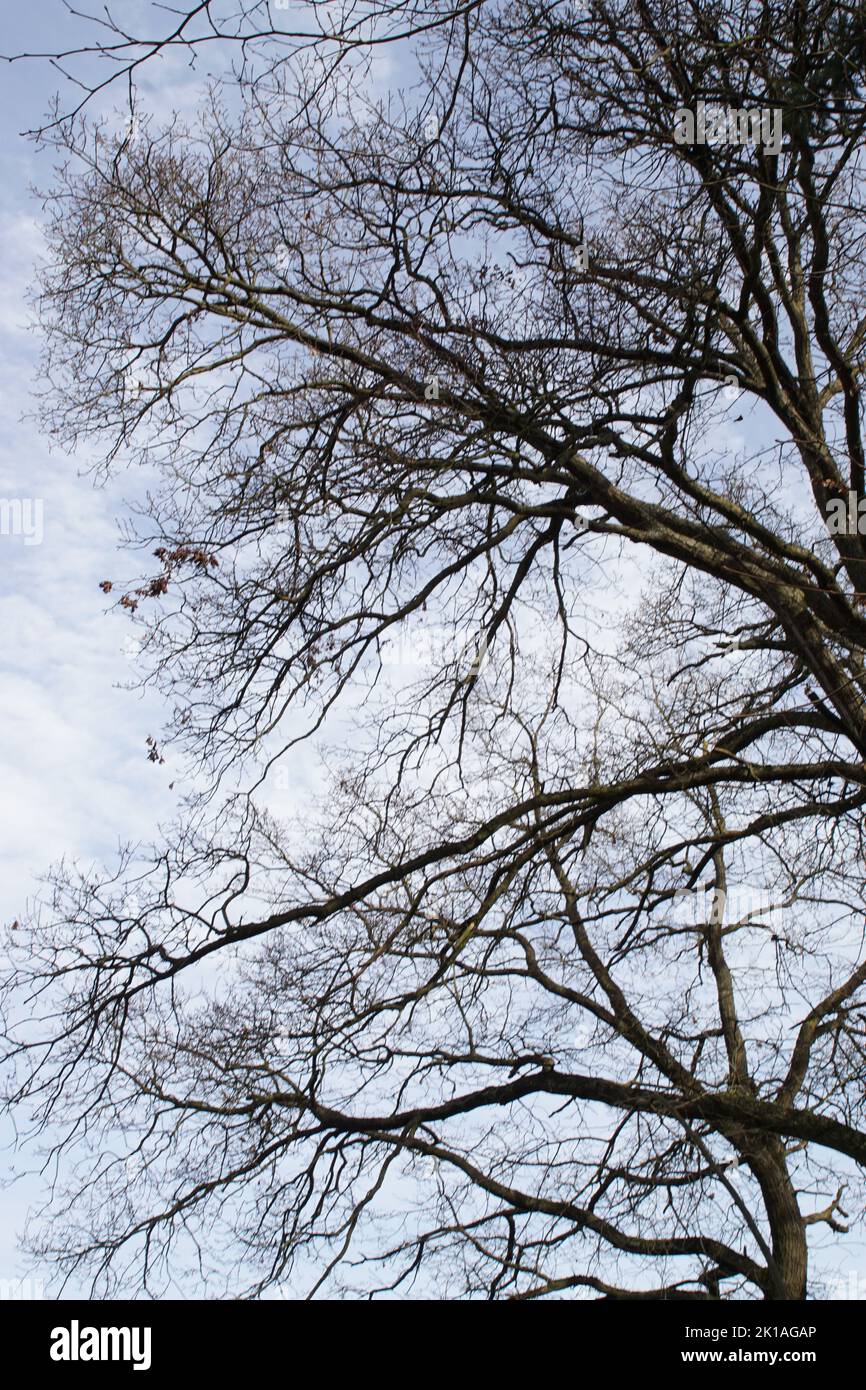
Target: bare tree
x: 560, y: 987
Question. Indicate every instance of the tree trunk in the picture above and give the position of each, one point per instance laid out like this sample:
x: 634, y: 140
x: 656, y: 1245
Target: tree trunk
x: 789, y: 1267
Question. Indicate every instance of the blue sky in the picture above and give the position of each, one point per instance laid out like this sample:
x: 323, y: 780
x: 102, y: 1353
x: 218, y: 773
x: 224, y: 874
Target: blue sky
x: 75, y: 773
